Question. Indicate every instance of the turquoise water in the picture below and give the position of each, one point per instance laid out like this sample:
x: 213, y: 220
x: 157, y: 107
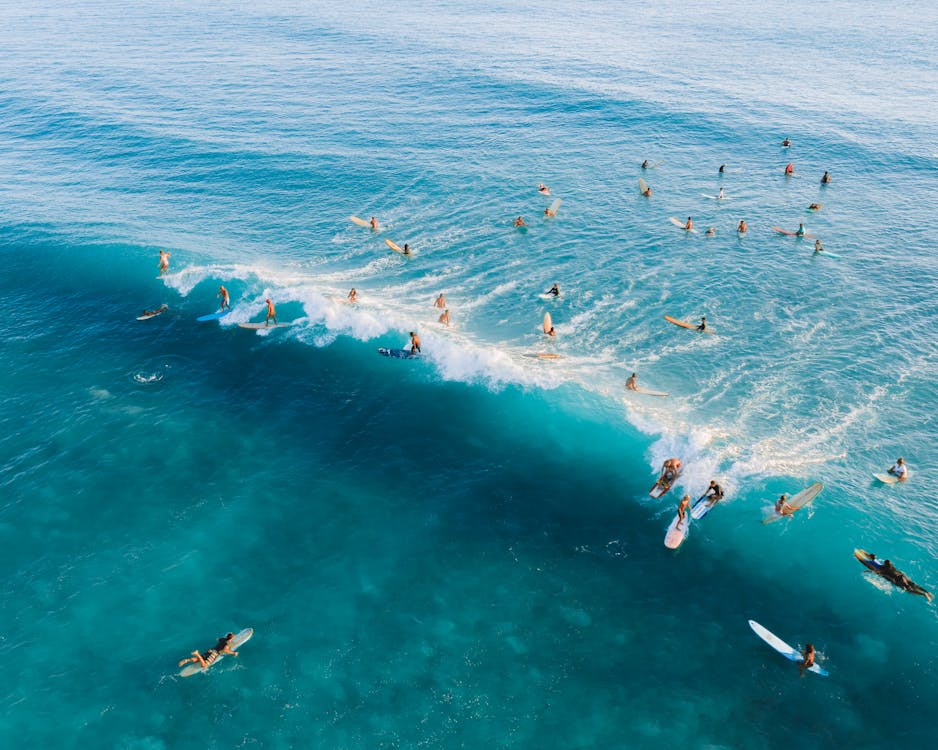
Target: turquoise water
x: 460, y: 551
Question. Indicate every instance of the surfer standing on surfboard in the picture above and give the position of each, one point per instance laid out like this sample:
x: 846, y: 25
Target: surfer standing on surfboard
x: 414, y: 343
x: 164, y: 261
x: 225, y: 299
x: 271, y: 313
x: 682, y: 510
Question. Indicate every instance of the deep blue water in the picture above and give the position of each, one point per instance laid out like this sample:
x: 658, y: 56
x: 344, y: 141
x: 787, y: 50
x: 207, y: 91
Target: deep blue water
x: 460, y: 551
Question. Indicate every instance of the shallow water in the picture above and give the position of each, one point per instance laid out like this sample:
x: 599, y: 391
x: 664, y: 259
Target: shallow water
x: 460, y: 551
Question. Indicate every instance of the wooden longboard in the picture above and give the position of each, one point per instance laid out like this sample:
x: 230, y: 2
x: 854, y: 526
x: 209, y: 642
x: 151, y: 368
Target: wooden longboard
x: 682, y: 324
x: 360, y: 222
x: 395, y: 247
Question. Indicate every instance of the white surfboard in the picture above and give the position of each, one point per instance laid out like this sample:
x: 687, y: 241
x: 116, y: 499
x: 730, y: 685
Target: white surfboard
x: 646, y: 392
x: 553, y: 207
x: 677, y: 532
x: 783, y: 648
x: 702, y: 507
x: 240, y: 638
x: 884, y: 478
x: 681, y: 224
x: 262, y: 326
x: 798, y: 501
x: 360, y: 222
x: 153, y: 313
x: 548, y: 323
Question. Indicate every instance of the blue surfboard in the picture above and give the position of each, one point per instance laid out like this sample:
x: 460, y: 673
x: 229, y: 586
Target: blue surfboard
x: 396, y: 353
x: 214, y: 316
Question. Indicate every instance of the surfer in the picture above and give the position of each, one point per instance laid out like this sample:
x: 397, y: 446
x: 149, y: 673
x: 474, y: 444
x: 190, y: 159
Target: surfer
x: 647, y: 191
x: 800, y: 232
x: 374, y: 223
x: 782, y: 507
x: 742, y: 227
x: 548, y: 212
x: 271, y: 313
x: 899, y: 469
x: 414, y: 343
x: 164, y: 261
x: 543, y: 189
x: 551, y: 332
x: 720, y: 195
x: 444, y: 318
x: 669, y: 471
x: 519, y: 222
x: 690, y: 224
x: 352, y: 295
x: 808, y: 660
x: 790, y: 169
x: 722, y: 169
x: 406, y: 249
x: 818, y: 248
x: 151, y: 313
x: 711, y: 232
x: 632, y: 382
x: 555, y: 290
x: 714, y: 493
x: 895, y: 576
x: 645, y: 164
x: 703, y: 323
x: 826, y: 177
x: 225, y: 299
x: 814, y: 207
x: 682, y: 510
x: 211, y: 655
x: 786, y: 143
x: 440, y: 301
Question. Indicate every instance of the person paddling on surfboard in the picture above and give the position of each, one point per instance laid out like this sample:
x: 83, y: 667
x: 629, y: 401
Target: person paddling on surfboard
x: 632, y: 382
x: 211, y: 655
x: 164, y: 261
x: 899, y: 469
x: 895, y: 576
x: 271, y: 313
x: 808, y: 660
x: 225, y: 298
x: 519, y: 222
x: 801, y: 231
x: 414, y: 343
x: 814, y: 207
x: 543, y: 189
x: 789, y: 169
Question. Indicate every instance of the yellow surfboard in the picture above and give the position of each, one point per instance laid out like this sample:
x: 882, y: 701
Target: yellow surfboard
x: 395, y: 247
x: 360, y: 222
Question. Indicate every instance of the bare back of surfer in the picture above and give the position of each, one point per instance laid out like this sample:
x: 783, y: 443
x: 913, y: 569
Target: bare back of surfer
x: 782, y: 507
x: 444, y: 318
x: 271, y: 313
x: 632, y: 382
x: 225, y: 298
x: 690, y: 224
x: 440, y: 302
x: 414, y: 343
x: 164, y: 261
x: 669, y: 471
x: 519, y: 222
x: 543, y: 189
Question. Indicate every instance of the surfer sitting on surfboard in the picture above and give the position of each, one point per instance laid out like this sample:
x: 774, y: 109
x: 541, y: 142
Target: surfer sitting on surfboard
x: 519, y: 222
x: 645, y: 164
x: 374, y: 223
x: 205, y: 660
x: 782, y: 507
x: 542, y: 188
x: 826, y: 178
x: 899, y: 469
x: 742, y: 227
x: 690, y: 224
x: 801, y: 231
x: 632, y: 382
x: 703, y: 324
x: 555, y: 290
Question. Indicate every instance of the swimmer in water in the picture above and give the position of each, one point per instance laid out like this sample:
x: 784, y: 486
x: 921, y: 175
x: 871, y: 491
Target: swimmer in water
x: 743, y: 227
x: 711, y: 232
x: 444, y: 318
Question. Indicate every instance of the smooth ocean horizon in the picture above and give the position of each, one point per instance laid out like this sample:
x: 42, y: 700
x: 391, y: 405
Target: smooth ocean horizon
x: 459, y: 551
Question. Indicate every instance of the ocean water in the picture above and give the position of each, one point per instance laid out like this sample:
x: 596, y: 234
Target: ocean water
x: 460, y: 551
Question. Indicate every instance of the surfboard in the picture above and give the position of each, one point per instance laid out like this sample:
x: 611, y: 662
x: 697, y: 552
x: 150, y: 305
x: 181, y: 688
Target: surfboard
x: 655, y: 165
x: 884, y: 478
x: 798, y: 501
x: 158, y: 311
x: 783, y: 648
x: 544, y: 191
x: 792, y: 234
x: 214, y: 316
x: 677, y: 532
x: 642, y: 186
x: 360, y: 222
x: 681, y: 224
x: 394, y: 246
x: 682, y: 324
x: 544, y: 355
x: 262, y: 326
x: 875, y: 566
x: 548, y: 324
x: 702, y: 507
x: 240, y: 639
x: 548, y: 295
x: 397, y: 353
x: 646, y: 392
x: 553, y: 207
x: 715, y: 197
x: 829, y: 255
